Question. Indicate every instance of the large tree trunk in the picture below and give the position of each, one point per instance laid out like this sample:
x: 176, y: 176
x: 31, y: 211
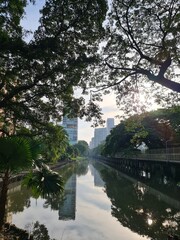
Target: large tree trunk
x: 3, y: 197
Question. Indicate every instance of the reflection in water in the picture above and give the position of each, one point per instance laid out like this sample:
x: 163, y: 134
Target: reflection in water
x: 95, y: 197
x: 67, y: 208
x: 139, y: 207
x: 98, y: 182
x: 38, y: 231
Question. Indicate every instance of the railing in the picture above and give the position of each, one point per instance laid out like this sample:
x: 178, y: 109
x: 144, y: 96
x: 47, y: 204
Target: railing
x: 163, y: 154
x: 156, y: 157
x: 173, y: 150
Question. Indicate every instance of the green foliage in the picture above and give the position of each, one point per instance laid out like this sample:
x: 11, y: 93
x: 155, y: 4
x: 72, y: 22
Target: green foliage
x: 140, y: 54
x: 118, y: 140
x: 155, y: 129
x: 82, y: 147
x: 44, y: 182
x: 38, y: 78
x: 15, y: 154
x: 54, y: 143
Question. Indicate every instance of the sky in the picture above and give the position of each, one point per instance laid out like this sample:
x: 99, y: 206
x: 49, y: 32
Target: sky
x: 109, y: 109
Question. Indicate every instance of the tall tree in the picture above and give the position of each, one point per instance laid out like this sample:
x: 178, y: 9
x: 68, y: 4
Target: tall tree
x: 37, y: 78
x: 141, y: 48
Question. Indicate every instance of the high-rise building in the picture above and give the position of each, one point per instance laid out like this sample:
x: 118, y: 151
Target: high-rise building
x: 100, y: 134
x: 109, y: 125
x: 91, y: 144
x: 71, y: 127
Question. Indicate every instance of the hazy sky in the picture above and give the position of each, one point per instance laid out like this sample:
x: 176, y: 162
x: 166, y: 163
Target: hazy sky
x: 109, y: 110
x: 85, y: 131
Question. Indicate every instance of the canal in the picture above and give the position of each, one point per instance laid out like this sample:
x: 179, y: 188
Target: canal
x: 99, y: 203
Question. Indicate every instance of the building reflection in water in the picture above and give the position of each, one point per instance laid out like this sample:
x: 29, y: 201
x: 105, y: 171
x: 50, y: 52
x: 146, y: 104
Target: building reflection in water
x: 98, y: 182
x: 67, y: 208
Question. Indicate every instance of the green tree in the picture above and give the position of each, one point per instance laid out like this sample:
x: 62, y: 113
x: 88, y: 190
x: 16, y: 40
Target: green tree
x: 38, y: 77
x: 152, y: 128
x: 118, y: 140
x: 54, y: 143
x: 97, y: 151
x: 82, y: 147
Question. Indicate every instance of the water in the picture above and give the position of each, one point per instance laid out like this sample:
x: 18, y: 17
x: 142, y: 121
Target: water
x: 99, y: 204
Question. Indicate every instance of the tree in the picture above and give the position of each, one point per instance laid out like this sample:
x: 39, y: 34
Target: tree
x: 164, y: 124
x: 153, y: 128
x: 141, y: 49
x: 54, y: 143
x: 38, y: 77
x: 118, y: 140
x: 83, y: 147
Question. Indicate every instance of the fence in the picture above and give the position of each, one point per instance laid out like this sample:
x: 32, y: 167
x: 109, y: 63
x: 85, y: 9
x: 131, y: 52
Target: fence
x: 164, y: 154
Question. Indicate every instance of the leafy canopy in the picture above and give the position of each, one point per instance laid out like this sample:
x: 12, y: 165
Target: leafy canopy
x: 37, y: 78
x: 155, y: 129
x: 141, y: 51
x: 15, y: 154
x: 83, y: 147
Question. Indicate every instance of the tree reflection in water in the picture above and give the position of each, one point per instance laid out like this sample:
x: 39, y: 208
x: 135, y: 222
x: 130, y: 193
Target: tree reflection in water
x: 38, y: 231
x: 137, y: 208
x: 79, y: 168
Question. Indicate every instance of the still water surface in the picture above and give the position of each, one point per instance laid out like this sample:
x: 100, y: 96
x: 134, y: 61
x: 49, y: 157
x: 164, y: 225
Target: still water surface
x: 99, y: 203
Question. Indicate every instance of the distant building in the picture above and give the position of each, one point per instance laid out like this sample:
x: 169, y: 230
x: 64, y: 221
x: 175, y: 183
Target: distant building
x: 100, y: 134
x: 71, y: 127
x: 109, y: 125
x: 91, y: 144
